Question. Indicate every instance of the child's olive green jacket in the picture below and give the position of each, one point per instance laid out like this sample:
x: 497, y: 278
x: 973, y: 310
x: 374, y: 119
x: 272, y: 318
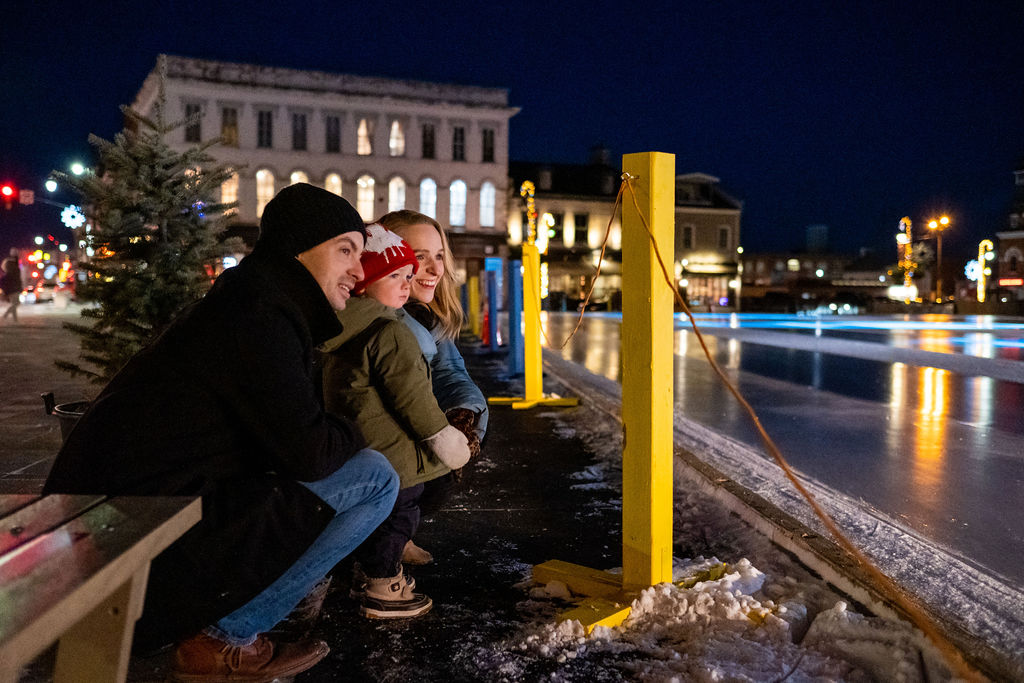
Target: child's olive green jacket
x: 374, y: 374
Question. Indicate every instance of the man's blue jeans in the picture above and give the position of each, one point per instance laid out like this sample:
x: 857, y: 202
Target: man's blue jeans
x: 362, y: 492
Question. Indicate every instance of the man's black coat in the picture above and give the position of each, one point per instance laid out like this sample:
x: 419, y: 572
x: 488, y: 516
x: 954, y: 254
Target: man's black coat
x: 223, y: 405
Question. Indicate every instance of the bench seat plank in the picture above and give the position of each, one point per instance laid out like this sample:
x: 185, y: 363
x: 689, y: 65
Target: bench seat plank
x: 50, y: 584
x: 41, y: 515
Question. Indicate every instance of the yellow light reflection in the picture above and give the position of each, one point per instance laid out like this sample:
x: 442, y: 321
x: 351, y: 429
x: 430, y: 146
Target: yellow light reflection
x: 930, y: 432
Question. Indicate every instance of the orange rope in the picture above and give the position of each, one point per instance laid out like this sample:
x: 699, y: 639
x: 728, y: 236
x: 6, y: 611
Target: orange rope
x: 885, y: 584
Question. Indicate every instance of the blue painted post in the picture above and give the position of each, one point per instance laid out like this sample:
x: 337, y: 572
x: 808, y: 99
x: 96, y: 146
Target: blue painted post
x: 514, y: 287
x: 464, y: 299
x: 492, y: 309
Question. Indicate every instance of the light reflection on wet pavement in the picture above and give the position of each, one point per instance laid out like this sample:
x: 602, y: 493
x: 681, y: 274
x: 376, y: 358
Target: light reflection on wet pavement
x: 941, y: 451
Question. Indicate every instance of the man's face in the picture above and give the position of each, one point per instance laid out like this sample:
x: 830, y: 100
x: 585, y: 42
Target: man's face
x: 335, y: 266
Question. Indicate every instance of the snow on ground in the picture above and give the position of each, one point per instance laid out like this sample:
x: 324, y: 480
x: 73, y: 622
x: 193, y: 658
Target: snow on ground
x: 766, y: 618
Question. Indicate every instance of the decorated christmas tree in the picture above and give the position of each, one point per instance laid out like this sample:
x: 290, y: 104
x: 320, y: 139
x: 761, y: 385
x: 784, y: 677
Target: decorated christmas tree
x: 155, y: 233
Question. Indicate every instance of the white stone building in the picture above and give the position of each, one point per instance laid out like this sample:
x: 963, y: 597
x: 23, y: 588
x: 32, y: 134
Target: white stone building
x: 381, y: 143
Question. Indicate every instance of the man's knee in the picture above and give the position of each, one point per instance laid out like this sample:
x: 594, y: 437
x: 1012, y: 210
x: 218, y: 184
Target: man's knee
x: 374, y: 466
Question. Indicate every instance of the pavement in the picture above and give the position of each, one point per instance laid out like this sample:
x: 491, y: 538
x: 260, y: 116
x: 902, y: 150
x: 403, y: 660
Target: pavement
x: 517, y: 506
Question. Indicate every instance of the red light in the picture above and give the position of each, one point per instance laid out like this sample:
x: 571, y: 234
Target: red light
x: 1011, y: 282
x: 7, y: 191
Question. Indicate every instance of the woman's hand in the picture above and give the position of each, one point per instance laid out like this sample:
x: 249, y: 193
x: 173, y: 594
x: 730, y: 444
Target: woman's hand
x: 465, y: 421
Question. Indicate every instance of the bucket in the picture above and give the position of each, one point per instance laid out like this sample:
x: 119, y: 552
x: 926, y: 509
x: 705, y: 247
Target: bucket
x: 67, y: 413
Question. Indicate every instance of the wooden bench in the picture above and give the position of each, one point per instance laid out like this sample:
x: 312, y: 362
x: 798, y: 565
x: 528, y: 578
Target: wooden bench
x: 74, y: 569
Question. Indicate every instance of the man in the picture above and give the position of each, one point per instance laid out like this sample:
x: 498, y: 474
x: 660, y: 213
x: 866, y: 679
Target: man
x: 225, y: 405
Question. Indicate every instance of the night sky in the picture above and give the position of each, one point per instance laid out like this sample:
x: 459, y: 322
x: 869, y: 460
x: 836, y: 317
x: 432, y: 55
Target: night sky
x: 851, y: 114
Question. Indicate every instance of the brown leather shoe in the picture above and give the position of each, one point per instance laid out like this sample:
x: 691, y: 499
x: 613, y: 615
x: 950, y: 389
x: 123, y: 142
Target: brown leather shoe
x: 204, y: 659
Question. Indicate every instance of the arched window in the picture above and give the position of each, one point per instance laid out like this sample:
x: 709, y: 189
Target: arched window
x: 396, y: 140
x: 487, y: 196
x: 428, y: 198
x: 332, y: 183
x: 457, y: 203
x: 396, y: 194
x: 364, y: 144
x: 264, y: 189
x: 229, y: 189
x: 298, y: 177
x: 364, y: 197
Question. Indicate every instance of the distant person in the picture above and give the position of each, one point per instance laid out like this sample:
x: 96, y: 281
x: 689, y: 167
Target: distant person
x: 375, y: 374
x: 224, y: 405
x: 11, y: 284
x: 435, y: 316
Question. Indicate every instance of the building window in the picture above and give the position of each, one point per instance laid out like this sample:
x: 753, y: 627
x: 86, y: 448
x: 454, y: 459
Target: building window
x: 396, y: 140
x: 581, y: 222
x: 396, y: 194
x: 264, y: 189
x: 265, y: 129
x: 458, y: 143
x: 487, y: 197
x: 298, y: 177
x: 364, y: 197
x: 298, y: 131
x: 488, y: 144
x: 333, y: 131
x: 364, y: 144
x: 687, y: 237
x: 193, y: 131
x: 229, y: 126
x: 457, y: 203
x: 428, y: 198
x: 332, y: 183
x: 723, y: 238
x: 229, y: 190
x: 428, y: 141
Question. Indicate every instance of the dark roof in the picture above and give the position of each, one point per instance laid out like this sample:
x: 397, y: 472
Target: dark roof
x: 600, y: 181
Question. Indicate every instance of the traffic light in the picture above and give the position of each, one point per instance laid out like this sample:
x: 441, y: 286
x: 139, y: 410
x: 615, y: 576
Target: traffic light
x: 8, y: 193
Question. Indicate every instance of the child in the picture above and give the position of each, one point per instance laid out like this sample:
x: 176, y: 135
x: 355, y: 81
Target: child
x: 375, y: 374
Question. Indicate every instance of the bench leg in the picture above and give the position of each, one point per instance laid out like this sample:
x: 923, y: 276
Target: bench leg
x: 98, y: 647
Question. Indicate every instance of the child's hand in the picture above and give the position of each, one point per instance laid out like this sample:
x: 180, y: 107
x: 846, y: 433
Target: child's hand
x: 465, y: 421
x: 450, y: 447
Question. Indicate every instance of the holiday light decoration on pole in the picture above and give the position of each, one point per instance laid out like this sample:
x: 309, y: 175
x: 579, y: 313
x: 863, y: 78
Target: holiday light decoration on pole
x: 905, y: 249
x: 985, y: 254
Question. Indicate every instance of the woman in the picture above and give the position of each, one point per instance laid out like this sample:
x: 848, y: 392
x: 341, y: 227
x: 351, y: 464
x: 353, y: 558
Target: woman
x: 435, y: 316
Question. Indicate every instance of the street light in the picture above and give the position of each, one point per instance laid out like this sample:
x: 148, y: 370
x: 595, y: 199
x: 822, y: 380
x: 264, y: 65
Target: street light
x: 937, y: 226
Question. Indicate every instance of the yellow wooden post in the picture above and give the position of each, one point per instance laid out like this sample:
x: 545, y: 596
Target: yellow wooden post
x: 473, y: 298
x: 647, y: 329
x: 533, y: 369
x: 533, y: 366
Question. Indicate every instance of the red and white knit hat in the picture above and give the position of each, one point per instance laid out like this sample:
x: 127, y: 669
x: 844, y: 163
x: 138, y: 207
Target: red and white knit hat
x: 385, y: 252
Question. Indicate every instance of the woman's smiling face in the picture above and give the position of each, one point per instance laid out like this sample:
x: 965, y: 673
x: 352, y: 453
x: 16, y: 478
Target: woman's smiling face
x: 426, y: 244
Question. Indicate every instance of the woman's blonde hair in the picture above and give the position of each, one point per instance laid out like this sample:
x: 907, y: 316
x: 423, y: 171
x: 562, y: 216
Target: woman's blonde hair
x: 446, y: 304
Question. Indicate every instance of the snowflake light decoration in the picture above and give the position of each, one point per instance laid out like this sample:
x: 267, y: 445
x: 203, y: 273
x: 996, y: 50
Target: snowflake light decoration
x: 72, y: 217
x: 973, y: 270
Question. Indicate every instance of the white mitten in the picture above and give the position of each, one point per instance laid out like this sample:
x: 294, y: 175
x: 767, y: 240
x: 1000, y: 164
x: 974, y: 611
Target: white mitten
x: 450, y: 446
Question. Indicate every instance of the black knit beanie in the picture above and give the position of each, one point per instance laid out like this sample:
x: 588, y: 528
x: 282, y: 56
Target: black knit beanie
x: 301, y: 216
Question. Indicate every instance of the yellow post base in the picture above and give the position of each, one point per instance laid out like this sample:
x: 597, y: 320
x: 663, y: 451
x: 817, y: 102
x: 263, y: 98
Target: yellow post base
x: 521, y: 403
x: 606, y: 605
x: 594, y: 612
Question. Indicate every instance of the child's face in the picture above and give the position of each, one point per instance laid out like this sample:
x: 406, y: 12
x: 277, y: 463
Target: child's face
x: 392, y: 289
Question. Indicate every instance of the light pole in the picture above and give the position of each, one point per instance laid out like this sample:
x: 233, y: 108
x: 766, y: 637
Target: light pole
x: 937, y: 226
